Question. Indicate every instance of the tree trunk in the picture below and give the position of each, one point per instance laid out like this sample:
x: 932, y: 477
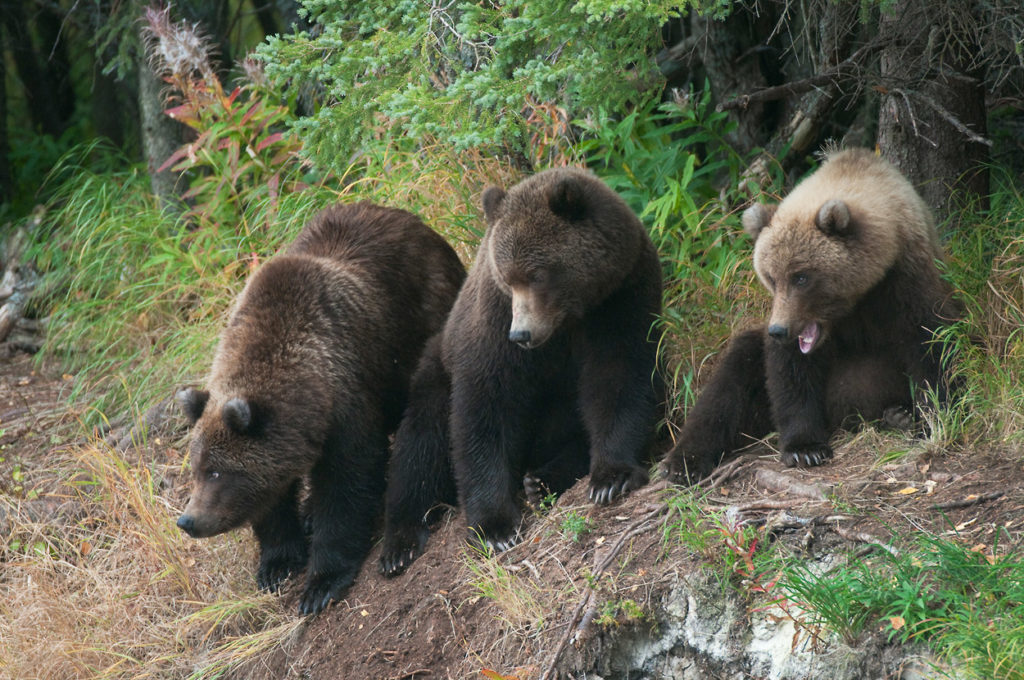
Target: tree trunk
x: 56, y: 63
x: 737, y: 61
x: 266, y: 16
x: 42, y: 103
x: 108, y: 116
x: 6, y: 180
x: 160, y: 135
x: 931, y: 121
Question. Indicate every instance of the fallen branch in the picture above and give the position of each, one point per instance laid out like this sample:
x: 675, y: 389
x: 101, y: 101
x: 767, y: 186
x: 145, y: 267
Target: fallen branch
x: 10, y: 313
x: 754, y: 506
x: 777, y: 481
x: 801, y: 86
x: 973, y: 499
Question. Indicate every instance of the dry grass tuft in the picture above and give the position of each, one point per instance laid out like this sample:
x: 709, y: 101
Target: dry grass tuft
x: 98, y: 582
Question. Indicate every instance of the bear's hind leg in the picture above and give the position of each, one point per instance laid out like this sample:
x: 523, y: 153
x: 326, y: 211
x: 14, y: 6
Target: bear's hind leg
x: 868, y: 388
x: 419, y: 473
x: 560, y: 456
x: 282, y: 542
x: 732, y: 410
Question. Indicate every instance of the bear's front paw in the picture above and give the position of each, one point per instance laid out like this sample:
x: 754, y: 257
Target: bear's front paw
x: 322, y: 587
x: 494, y: 535
x: 608, y: 482
x: 898, y: 418
x: 807, y: 457
x: 679, y: 468
x: 278, y: 563
x: 536, y: 491
x: 401, y: 548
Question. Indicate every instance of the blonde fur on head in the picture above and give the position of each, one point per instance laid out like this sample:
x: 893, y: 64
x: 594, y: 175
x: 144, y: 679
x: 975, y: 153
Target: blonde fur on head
x: 853, y: 218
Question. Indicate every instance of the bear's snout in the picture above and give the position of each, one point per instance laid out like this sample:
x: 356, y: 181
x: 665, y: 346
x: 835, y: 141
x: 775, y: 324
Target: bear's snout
x: 778, y: 331
x: 520, y: 336
x: 187, y: 523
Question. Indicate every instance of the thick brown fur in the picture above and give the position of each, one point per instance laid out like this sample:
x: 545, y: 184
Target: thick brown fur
x: 549, y: 360
x: 310, y: 377
x: 850, y: 259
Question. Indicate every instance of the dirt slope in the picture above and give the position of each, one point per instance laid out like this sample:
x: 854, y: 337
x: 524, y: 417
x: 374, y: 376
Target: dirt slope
x: 560, y: 600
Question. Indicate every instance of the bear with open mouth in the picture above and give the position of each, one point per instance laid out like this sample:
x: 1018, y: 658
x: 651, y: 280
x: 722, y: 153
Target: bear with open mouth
x: 849, y: 257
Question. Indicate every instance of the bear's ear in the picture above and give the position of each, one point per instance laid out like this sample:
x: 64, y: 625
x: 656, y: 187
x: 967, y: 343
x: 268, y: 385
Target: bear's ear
x: 192, y: 402
x: 238, y: 416
x: 756, y: 218
x: 833, y: 218
x: 568, y: 198
x: 492, y: 198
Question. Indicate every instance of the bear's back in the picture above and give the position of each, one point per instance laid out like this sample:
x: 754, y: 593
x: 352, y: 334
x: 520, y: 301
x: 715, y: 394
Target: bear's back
x: 344, y: 310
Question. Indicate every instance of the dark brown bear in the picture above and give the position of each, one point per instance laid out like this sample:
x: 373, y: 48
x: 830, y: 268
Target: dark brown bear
x: 849, y: 257
x: 310, y: 377
x: 547, y: 362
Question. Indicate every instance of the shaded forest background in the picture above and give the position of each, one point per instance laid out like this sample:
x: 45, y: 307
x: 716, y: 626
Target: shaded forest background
x: 936, y: 85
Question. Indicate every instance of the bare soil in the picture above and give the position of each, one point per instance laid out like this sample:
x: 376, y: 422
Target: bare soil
x: 553, y: 601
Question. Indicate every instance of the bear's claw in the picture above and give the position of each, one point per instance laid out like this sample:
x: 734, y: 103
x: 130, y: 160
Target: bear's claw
x: 807, y: 457
x: 501, y: 545
x: 607, y: 485
x: 898, y: 418
x: 322, y: 588
x: 494, y: 542
x: 402, y: 545
x: 278, y: 564
x: 535, y: 491
x: 685, y: 471
x: 394, y: 563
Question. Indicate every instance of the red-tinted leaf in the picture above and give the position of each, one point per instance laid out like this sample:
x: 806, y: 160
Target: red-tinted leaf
x: 268, y: 140
x: 173, y: 158
x: 230, y: 99
x: 250, y: 113
x: 185, y: 114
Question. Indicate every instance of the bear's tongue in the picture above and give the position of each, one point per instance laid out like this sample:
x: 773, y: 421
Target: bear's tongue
x: 808, y: 337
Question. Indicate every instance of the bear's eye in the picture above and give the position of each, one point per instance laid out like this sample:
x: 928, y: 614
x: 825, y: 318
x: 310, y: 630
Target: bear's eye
x: 799, y: 280
x: 771, y: 282
x: 212, y: 475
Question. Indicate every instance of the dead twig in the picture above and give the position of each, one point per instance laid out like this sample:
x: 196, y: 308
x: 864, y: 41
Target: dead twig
x: 835, y: 73
x: 724, y: 473
x: 777, y: 481
x: 973, y: 499
x: 754, y: 506
x: 864, y: 537
x: 412, y: 674
x: 953, y: 120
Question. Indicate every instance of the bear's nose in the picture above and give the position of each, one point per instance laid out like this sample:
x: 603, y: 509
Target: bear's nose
x: 187, y: 523
x: 778, y: 332
x: 521, y: 337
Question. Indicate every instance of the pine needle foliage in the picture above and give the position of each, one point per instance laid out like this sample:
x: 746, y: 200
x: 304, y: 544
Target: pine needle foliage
x: 465, y: 74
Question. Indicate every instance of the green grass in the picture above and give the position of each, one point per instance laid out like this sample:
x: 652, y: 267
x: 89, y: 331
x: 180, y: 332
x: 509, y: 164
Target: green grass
x: 137, y: 296
x: 575, y: 526
x: 967, y: 604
